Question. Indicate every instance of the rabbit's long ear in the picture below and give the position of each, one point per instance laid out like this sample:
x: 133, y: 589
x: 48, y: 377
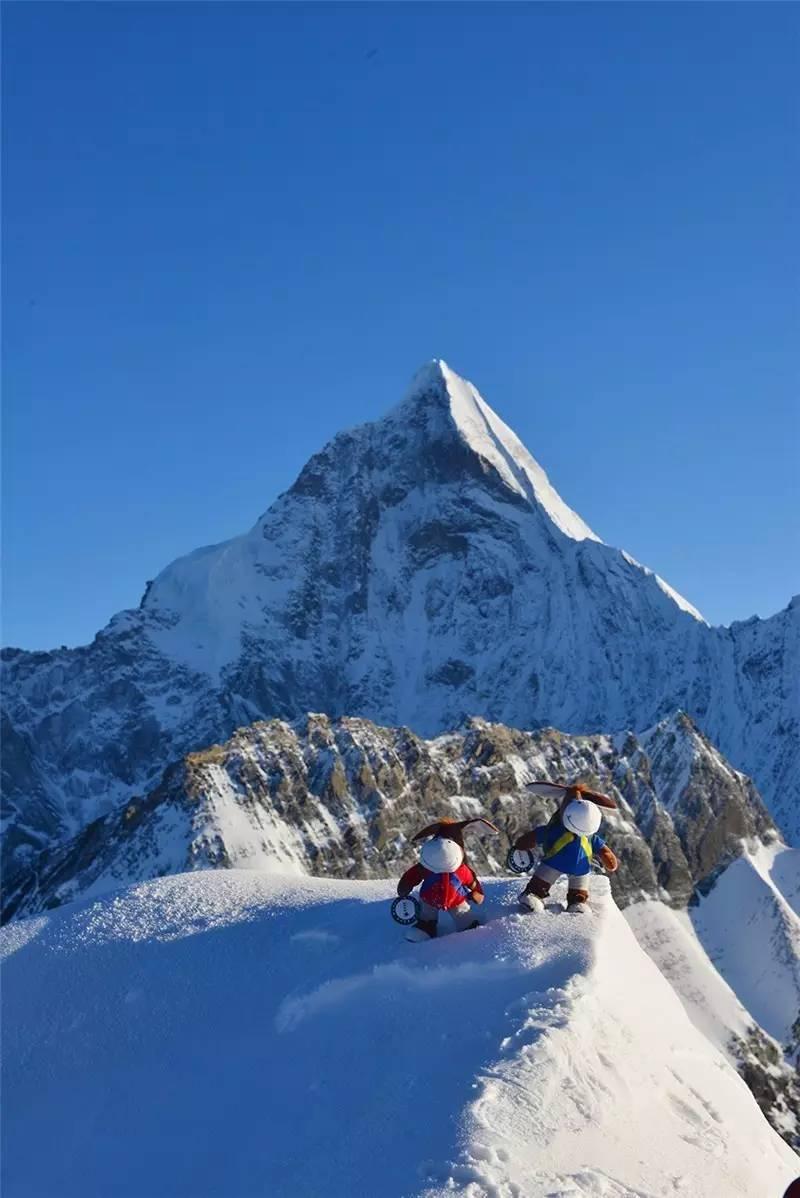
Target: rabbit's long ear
x: 479, y: 820
x: 431, y: 830
x: 564, y: 791
x: 549, y: 790
x: 594, y: 797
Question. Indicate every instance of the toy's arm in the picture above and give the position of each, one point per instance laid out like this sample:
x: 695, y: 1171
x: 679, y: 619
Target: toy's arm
x: 607, y: 859
x: 476, y: 894
x: 411, y: 878
x: 528, y: 840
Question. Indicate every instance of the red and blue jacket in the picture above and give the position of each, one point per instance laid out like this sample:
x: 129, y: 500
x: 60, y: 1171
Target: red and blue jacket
x: 444, y: 891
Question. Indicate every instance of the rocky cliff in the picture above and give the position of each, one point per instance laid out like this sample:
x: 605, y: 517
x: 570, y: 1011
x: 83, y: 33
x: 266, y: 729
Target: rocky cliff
x: 342, y: 798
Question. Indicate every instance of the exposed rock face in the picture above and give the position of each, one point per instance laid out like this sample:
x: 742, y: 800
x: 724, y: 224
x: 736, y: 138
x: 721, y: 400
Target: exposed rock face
x: 775, y: 1084
x: 343, y: 798
x: 712, y: 806
x: 420, y: 571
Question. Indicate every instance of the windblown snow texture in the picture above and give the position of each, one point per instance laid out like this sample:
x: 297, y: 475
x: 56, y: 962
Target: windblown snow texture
x: 207, y: 1028
x: 421, y: 570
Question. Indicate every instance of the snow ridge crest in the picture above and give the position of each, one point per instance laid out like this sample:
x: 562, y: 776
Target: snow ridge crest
x: 435, y: 385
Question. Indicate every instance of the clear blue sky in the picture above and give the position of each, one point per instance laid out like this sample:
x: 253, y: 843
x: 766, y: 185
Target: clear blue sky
x: 232, y: 229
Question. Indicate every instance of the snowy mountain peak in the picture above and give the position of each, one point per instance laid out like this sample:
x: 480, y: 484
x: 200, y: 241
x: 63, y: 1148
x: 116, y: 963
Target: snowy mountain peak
x: 437, y: 388
x: 421, y: 570
x: 429, y: 381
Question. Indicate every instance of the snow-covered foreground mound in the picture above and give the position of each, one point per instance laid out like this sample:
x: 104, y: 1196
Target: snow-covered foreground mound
x: 226, y: 1034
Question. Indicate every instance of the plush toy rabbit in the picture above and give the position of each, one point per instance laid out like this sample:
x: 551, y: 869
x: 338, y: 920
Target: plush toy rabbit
x: 446, y: 881
x: 569, y: 843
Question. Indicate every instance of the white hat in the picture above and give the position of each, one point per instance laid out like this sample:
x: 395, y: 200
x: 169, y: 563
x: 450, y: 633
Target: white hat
x: 441, y: 855
x: 581, y: 817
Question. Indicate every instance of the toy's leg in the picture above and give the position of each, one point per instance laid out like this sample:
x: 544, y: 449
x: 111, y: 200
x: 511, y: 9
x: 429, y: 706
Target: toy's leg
x: 537, y: 890
x: 463, y: 917
x: 425, y: 927
x: 578, y: 893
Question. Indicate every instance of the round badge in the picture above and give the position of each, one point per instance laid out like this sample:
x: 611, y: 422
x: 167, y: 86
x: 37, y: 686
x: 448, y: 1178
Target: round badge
x: 519, y: 861
x: 405, y: 910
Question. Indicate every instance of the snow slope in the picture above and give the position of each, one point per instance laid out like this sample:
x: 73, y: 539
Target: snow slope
x: 751, y: 932
x: 225, y: 1035
x: 670, y: 940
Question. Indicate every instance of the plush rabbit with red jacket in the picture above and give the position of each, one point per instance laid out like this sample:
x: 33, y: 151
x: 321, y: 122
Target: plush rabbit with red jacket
x: 446, y: 881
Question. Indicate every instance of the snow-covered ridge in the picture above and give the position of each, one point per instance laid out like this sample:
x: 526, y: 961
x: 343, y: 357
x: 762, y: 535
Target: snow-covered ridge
x: 222, y: 1014
x: 682, y: 603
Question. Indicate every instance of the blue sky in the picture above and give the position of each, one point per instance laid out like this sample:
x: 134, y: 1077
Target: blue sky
x: 232, y: 229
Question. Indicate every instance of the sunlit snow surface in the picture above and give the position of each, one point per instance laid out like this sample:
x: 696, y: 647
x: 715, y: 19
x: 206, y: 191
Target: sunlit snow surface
x: 750, y: 928
x: 224, y: 1034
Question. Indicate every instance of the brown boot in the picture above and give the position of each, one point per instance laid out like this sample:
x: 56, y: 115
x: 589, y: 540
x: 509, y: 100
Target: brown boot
x: 537, y: 886
x: 423, y: 929
x: 577, y: 901
x: 534, y: 894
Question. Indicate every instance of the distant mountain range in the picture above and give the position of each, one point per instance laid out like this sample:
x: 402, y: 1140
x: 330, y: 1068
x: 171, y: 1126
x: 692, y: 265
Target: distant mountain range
x: 421, y: 571
x: 421, y: 626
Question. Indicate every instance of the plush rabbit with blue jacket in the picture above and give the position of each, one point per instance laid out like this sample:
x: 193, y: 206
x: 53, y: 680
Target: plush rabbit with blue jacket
x: 569, y: 844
